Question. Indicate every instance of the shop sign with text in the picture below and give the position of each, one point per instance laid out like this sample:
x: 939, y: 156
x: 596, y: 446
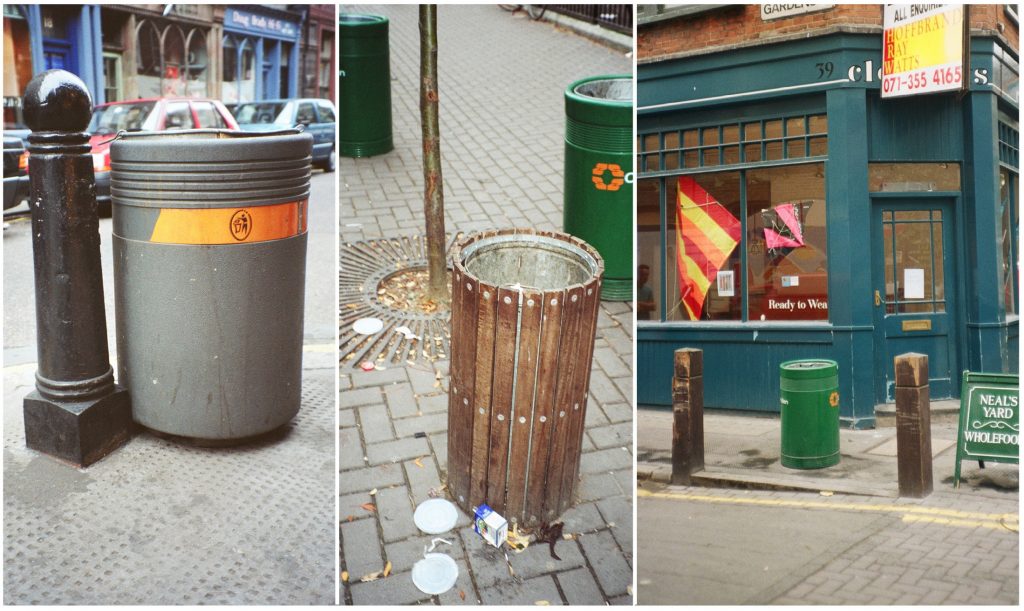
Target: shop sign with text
x: 770, y: 12
x: 989, y: 420
x: 922, y: 49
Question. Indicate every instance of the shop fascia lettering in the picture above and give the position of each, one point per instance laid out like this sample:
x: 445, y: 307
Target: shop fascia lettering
x: 770, y: 12
x: 260, y: 23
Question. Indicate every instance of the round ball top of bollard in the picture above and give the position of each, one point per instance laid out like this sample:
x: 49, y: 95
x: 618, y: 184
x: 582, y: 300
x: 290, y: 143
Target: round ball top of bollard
x: 57, y: 101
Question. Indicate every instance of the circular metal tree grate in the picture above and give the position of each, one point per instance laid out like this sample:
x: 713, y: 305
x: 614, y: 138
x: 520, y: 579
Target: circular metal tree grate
x: 365, y: 268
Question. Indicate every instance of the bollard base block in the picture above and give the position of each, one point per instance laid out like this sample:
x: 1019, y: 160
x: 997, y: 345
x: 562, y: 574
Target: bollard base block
x: 78, y: 432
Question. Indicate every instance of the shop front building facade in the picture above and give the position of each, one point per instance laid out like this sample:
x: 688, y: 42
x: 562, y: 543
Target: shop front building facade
x: 235, y: 53
x: 787, y: 211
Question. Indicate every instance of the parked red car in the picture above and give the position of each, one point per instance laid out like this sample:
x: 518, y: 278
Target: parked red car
x: 146, y: 115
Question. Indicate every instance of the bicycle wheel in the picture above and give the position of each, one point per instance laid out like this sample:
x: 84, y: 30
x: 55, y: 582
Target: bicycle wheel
x: 535, y: 11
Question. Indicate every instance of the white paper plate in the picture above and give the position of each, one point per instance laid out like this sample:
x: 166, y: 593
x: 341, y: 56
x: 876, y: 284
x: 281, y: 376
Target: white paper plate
x: 368, y: 326
x: 435, y: 516
x: 435, y: 574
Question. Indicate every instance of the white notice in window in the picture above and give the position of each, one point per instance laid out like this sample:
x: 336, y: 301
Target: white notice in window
x: 913, y: 283
x: 726, y: 287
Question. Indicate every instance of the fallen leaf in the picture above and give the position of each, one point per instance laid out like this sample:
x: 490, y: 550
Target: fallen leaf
x: 344, y: 576
x: 387, y: 569
x: 369, y: 507
x: 350, y: 518
x: 373, y: 492
x: 351, y: 306
x: 418, y: 463
x: 370, y: 577
x: 462, y: 595
x: 826, y: 493
x: 542, y: 603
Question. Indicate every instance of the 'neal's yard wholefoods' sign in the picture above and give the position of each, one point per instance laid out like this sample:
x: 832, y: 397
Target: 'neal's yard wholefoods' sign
x: 989, y: 420
x: 923, y: 49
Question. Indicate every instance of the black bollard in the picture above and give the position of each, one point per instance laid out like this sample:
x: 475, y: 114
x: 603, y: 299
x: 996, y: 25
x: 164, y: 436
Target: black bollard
x: 76, y: 413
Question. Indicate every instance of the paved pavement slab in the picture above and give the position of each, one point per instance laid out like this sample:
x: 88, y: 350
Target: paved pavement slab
x: 162, y: 522
x: 501, y: 83
x: 728, y: 546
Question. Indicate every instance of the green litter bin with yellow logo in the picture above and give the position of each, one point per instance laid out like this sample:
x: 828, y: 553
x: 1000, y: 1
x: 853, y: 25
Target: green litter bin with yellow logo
x: 809, y: 397
x: 598, y: 194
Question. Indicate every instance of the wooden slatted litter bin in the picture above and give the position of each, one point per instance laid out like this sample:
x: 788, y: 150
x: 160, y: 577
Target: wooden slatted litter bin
x: 524, y: 315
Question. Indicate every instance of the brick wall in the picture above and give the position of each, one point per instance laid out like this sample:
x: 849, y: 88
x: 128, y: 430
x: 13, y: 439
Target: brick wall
x: 741, y: 24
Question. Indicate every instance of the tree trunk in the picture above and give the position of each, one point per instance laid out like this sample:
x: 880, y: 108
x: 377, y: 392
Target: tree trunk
x: 433, y: 191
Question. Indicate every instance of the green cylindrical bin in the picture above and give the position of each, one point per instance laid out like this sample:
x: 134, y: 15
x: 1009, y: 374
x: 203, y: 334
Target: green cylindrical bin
x: 209, y: 239
x: 364, y: 99
x: 809, y: 394
x: 598, y: 205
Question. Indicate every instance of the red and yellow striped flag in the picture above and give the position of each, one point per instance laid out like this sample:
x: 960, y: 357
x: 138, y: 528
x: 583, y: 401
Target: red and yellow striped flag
x: 706, y: 234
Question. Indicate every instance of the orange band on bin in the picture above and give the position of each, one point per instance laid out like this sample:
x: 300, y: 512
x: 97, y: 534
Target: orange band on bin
x: 230, y: 225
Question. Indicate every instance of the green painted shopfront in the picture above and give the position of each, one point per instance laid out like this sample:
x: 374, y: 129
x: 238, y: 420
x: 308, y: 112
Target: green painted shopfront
x: 834, y: 223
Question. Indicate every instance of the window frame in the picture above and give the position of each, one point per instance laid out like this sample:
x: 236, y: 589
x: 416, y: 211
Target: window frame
x: 663, y: 178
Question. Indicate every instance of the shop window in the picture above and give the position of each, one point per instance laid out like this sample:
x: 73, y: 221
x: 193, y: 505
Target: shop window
x: 285, y: 72
x: 170, y: 61
x: 796, y: 126
x: 174, y: 62
x: 1010, y: 213
x: 147, y: 58
x: 731, y: 134
x: 710, y: 135
x: 112, y: 77
x: 197, y: 61
x: 767, y: 140
x: 817, y: 124
x: 907, y: 177
x: 54, y: 22
x: 230, y: 61
x: 648, y: 243
x: 326, y: 75
x: 703, y: 247
x: 17, y: 65
x: 787, y: 274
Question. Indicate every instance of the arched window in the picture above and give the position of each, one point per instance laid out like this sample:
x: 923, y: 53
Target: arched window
x: 174, y: 61
x: 246, y: 71
x: 196, y: 63
x: 148, y: 65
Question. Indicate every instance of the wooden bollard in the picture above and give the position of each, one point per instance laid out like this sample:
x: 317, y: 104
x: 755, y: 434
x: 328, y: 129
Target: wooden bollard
x: 688, y: 415
x: 913, y: 425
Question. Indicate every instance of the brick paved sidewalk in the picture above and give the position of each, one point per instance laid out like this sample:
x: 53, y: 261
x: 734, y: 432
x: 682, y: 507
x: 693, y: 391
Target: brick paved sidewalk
x: 799, y: 548
x: 501, y: 83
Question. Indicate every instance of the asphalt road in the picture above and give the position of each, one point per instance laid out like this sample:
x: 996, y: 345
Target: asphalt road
x: 19, y: 290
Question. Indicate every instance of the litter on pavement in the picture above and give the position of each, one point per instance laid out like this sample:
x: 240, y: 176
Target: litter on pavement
x: 435, y: 516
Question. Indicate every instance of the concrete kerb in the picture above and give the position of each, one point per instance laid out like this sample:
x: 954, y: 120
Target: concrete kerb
x: 616, y: 40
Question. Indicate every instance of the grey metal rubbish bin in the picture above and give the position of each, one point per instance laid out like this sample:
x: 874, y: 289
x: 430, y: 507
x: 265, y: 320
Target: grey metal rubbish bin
x: 209, y: 278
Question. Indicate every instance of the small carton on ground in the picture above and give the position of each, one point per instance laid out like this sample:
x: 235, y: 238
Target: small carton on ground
x: 490, y: 525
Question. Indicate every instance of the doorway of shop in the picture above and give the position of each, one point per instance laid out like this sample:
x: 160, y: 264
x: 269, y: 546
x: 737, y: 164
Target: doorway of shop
x: 913, y: 260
